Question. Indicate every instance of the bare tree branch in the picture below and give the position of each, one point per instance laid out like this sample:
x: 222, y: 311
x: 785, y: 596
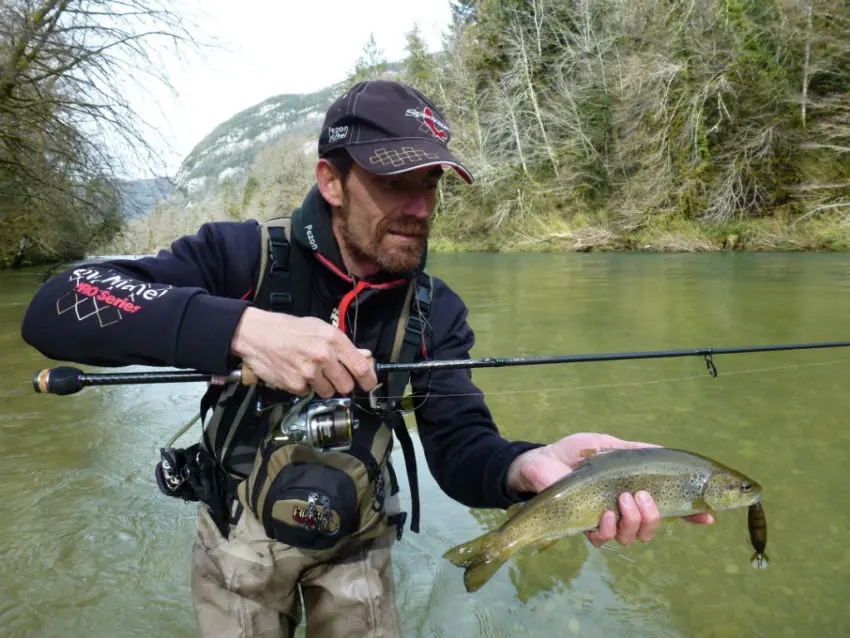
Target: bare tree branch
x: 66, y: 127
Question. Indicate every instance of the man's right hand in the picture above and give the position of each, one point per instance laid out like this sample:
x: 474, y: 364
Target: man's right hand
x: 299, y: 353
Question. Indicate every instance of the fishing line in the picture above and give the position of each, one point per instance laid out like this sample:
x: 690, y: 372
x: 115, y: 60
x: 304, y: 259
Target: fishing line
x: 603, y: 386
x: 183, y: 430
x: 418, y: 402
x: 606, y: 386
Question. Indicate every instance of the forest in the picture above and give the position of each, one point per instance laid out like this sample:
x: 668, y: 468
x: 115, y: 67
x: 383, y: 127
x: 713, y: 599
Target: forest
x: 659, y: 124
x: 589, y: 125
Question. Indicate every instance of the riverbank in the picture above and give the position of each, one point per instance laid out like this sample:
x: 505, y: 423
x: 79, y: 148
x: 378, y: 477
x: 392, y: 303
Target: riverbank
x: 580, y: 234
x: 824, y: 234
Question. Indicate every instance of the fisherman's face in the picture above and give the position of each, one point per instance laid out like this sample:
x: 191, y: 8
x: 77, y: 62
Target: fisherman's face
x: 384, y: 220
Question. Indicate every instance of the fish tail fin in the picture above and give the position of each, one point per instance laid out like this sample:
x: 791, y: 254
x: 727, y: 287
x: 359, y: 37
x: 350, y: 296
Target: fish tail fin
x: 480, y: 557
x: 759, y: 560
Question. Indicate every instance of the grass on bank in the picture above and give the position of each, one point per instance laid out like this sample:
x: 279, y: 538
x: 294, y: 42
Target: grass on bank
x: 548, y: 232
x: 500, y: 214
x: 660, y: 234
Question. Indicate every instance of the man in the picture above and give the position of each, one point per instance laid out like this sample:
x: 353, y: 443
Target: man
x: 352, y: 271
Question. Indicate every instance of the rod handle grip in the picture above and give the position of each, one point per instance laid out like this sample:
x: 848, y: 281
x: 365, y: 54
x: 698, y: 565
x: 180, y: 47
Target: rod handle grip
x: 60, y: 380
x: 248, y: 376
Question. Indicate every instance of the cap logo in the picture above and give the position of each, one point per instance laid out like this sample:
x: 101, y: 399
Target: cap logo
x: 337, y: 133
x: 437, y: 128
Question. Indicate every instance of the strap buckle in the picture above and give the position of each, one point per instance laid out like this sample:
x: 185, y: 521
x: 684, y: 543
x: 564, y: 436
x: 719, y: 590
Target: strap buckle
x: 398, y: 520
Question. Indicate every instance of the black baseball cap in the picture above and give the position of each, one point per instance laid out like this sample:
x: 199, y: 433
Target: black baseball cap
x: 388, y: 128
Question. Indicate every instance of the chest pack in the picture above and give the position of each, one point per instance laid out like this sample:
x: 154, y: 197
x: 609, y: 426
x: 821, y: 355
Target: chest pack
x: 303, y: 493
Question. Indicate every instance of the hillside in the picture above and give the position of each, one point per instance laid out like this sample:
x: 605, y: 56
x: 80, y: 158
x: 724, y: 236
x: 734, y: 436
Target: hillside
x: 138, y: 197
x: 639, y: 128
x: 230, y: 149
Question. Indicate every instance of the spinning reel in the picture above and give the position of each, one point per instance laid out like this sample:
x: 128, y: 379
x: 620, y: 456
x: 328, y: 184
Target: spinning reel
x: 325, y: 424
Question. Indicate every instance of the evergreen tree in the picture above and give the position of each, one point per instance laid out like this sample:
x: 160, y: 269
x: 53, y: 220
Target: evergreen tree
x: 371, y: 65
x: 418, y: 67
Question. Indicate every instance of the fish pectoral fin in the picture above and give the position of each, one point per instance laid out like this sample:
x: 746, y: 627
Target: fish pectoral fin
x: 700, y: 505
x: 590, y: 452
x: 587, y: 452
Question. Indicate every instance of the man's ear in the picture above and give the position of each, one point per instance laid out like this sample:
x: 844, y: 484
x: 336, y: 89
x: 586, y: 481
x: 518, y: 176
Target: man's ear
x: 329, y: 182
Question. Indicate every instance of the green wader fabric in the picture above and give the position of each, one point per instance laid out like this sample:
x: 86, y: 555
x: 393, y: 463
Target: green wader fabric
x: 251, y: 585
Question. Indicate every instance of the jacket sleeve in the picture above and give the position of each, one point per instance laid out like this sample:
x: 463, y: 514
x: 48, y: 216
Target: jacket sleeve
x: 466, y: 455
x: 179, y: 308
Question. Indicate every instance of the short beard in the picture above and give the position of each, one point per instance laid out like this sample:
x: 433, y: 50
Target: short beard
x: 398, y: 261
x: 403, y: 261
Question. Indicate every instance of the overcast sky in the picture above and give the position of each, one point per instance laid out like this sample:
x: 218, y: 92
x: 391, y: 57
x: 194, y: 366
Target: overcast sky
x: 274, y: 47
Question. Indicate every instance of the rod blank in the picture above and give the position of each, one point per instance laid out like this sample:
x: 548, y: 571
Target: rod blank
x: 64, y: 380
x: 610, y: 356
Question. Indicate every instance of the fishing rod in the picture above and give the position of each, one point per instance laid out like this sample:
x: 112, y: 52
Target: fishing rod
x: 64, y: 380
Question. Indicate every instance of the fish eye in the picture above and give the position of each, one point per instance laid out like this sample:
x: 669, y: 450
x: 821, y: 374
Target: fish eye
x: 746, y: 486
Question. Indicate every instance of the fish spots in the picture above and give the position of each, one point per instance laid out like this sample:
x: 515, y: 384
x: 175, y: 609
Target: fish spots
x: 678, y: 481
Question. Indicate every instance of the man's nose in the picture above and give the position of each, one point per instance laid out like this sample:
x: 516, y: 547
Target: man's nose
x: 418, y: 204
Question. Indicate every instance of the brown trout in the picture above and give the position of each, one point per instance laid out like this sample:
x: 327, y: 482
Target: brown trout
x: 758, y: 534
x: 681, y: 483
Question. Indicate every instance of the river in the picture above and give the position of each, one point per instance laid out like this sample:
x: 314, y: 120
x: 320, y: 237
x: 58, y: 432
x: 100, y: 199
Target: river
x: 90, y: 548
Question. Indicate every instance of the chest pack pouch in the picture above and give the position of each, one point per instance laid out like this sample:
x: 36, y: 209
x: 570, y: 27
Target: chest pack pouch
x: 310, y: 491
x: 312, y: 497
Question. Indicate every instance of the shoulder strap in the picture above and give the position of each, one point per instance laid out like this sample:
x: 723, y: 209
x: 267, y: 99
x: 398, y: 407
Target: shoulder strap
x: 412, y: 337
x: 412, y: 334
x: 274, y: 288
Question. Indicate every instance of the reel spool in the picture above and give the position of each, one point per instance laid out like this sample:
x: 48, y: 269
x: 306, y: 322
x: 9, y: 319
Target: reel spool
x: 325, y: 424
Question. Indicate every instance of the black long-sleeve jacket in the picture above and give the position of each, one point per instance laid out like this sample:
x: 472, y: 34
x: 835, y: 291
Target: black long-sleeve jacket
x: 181, y: 308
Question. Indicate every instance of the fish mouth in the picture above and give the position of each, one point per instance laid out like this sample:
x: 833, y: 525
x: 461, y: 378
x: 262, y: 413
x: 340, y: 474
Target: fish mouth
x: 735, y: 504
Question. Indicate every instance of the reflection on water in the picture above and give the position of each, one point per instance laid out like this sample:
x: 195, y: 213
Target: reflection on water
x: 90, y: 547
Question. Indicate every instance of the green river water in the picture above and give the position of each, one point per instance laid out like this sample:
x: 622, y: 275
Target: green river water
x: 90, y: 548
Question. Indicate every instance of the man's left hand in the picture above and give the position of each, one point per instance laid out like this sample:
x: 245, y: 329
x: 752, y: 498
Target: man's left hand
x: 535, y: 470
